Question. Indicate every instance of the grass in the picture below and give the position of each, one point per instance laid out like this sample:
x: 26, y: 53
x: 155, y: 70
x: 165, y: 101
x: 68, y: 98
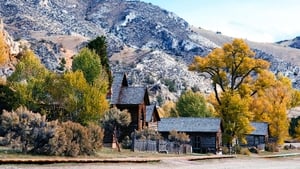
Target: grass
x: 104, y: 153
x: 108, y: 153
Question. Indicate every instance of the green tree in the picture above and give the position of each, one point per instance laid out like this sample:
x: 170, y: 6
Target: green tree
x: 28, y: 81
x: 233, y: 70
x: 79, y: 101
x: 113, y: 120
x: 88, y: 62
x: 99, y: 45
x: 192, y: 104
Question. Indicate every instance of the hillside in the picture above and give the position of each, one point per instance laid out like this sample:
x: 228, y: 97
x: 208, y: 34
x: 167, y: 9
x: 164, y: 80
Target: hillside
x: 151, y: 44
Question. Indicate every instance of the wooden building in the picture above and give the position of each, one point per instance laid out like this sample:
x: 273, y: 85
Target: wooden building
x: 259, y: 136
x: 205, y: 133
x: 152, y: 117
x: 133, y: 98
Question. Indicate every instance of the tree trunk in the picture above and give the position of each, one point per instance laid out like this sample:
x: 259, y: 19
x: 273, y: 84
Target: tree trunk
x: 116, y: 139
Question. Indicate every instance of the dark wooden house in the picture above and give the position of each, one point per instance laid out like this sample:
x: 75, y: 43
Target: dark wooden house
x: 134, y: 99
x: 152, y: 117
x: 205, y: 133
x: 259, y: 136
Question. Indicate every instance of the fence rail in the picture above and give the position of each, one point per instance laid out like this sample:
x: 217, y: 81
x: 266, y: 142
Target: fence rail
x: 161, y: 146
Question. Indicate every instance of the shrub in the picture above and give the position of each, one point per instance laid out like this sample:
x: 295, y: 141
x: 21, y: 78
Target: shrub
x: 147, y: 133
x: 237, y: 148
x: 30, y: 132
x: 181, y: 137
x: 272, y: 147
x: 126, y: 143
x: 225, y: 150
x: 96, y: 134
x: 245, y: 151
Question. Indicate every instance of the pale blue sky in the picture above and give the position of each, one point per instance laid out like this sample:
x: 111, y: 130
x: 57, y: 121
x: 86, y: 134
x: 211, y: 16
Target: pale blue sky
x: 257, y: 20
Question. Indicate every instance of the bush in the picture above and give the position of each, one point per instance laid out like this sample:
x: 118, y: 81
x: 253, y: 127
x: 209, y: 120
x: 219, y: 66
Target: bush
x: 245, y: 151
x: 146, y: 134
x: 225, y: 150
x: 272, y: 147
x: 181, y: 137
x: 126, y: 143
x: 30, y: 132
x: 237, y: 148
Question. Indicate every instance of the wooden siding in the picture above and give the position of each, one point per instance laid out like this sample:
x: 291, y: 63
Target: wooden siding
x: 202, y: 142
x: 255, y: 140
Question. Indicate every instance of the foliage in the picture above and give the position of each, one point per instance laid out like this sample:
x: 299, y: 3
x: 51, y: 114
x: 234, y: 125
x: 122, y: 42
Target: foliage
x: 113, y: 120
x: 7, y: 98
x: 77, y: 99
x: 171, y: 85
x: 126, y: 142
x: 180, y: 137
x: 21, y: 125
x: 99, y: 45
x: 245, y: 151
x: 29, y: 68
x: 36, y: 135
x: 244, y: 90
x: 64, y: 97
x: 168, y: 109
x: 28, y: 81
x: 271, y: 106
x: 88, y: 62
x: 235, y: 116
x: 4, y: 50
x: 192, y: 104
x: 147, y: 133
x: 232, y: 68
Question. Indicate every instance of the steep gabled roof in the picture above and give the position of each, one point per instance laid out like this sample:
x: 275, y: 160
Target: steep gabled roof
x: 149, y: 112
x: 132, y: 95
x: 261, y: 128
x: 189, y: 124
x: 119, y: 81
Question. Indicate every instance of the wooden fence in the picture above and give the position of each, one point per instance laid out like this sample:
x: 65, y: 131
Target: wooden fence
x: 161, y: 146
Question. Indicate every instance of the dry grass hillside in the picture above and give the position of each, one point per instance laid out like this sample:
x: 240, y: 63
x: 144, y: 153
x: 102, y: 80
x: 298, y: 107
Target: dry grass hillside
x: 287, y: 54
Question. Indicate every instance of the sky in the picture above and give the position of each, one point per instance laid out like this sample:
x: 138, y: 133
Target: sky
x: 256, y: 20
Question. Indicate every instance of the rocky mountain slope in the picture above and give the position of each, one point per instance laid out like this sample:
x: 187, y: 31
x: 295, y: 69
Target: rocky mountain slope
x: 152, y: 45
x: 294, y: 43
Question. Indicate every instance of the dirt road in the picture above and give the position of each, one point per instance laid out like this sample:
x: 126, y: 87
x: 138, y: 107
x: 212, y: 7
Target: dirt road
x: 237, y: 163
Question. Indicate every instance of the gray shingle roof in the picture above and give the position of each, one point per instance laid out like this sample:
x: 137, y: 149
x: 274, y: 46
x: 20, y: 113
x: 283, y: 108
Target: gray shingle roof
x: 119, y: 80
x: 261, y: 128
x: 149, y: 112
x: 189, y: 124
x: 132, y: 95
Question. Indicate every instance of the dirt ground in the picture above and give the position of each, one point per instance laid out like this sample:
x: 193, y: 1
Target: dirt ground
x: 236, y: 163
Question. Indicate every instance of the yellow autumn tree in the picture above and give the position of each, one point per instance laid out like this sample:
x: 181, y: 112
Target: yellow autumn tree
x: 168, y: 109
x: 233, y: 70
x: 4, y: 50
x: 271, y: 105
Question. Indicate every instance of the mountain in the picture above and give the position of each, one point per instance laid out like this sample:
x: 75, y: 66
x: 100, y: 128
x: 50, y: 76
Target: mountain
x: 294, y: 43
x: 152, y: 45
